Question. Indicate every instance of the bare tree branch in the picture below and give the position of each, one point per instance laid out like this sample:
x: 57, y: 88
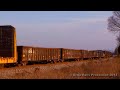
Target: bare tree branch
x: 116, y: 13
x: 118, y: 39
x: 114, y: 26
x: 114, y: 22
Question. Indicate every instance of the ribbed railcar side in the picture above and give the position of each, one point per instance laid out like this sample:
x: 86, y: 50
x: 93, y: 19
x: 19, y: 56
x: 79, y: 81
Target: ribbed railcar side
x: 81, y: 54
x: 66, y: 54
x: 54, y: 54
x: 90, y: 55
x: 107, y: 54
x: 28, y: 54
x: 70, y: 54
x: 85, y: 54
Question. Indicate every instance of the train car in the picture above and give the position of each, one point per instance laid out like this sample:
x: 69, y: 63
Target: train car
x: 30, y: 55
x: 85, y: 54
x: 94, y: 54
x: 107, y: 54
x: 99, y: 54
x: 70, y: 54
x: 91, y: 54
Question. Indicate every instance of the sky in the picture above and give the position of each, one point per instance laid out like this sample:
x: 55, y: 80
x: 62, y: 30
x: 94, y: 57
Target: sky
x: 61, y: 29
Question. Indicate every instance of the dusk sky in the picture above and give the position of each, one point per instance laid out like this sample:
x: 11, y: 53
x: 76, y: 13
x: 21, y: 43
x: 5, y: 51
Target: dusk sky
x: 61, y: 29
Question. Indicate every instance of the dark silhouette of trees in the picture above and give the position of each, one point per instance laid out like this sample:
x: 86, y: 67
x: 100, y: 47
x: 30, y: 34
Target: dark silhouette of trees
x: 114, y: 26
x: 118, y: 39
x: 114, y: 22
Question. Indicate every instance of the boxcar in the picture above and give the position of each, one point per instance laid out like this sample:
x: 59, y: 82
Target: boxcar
x: 30, y: 55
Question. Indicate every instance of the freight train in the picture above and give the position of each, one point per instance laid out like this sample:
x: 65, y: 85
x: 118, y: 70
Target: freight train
x: 13, y: 55
x: 33, y: 55
x: 30, y: 55
x: 27, y: 55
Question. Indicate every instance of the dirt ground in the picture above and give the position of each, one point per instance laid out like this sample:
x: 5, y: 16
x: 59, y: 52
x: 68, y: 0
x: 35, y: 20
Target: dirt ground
x: 84, y: 69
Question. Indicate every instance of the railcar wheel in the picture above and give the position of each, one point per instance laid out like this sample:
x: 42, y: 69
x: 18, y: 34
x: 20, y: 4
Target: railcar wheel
x: 78, y: 59
x: 61, y: 60
x: 19, y: 65
x: 75, y: 59
x: 23, y: 64
x: 52, y: 61
x: 57, y: 61
x: 1, y: 65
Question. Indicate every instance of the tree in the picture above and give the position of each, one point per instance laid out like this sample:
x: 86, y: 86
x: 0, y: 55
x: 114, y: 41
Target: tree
x: 114, y: 22
x: 118, y: 39
x: 114, y: 26
x: 117, y: 50
x: 118, y: 44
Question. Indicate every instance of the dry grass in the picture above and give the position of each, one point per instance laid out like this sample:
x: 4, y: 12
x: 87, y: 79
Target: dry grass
x: 95, y: 69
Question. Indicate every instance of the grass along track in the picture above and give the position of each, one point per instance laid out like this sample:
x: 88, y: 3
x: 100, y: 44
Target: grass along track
x: 65, y: 70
